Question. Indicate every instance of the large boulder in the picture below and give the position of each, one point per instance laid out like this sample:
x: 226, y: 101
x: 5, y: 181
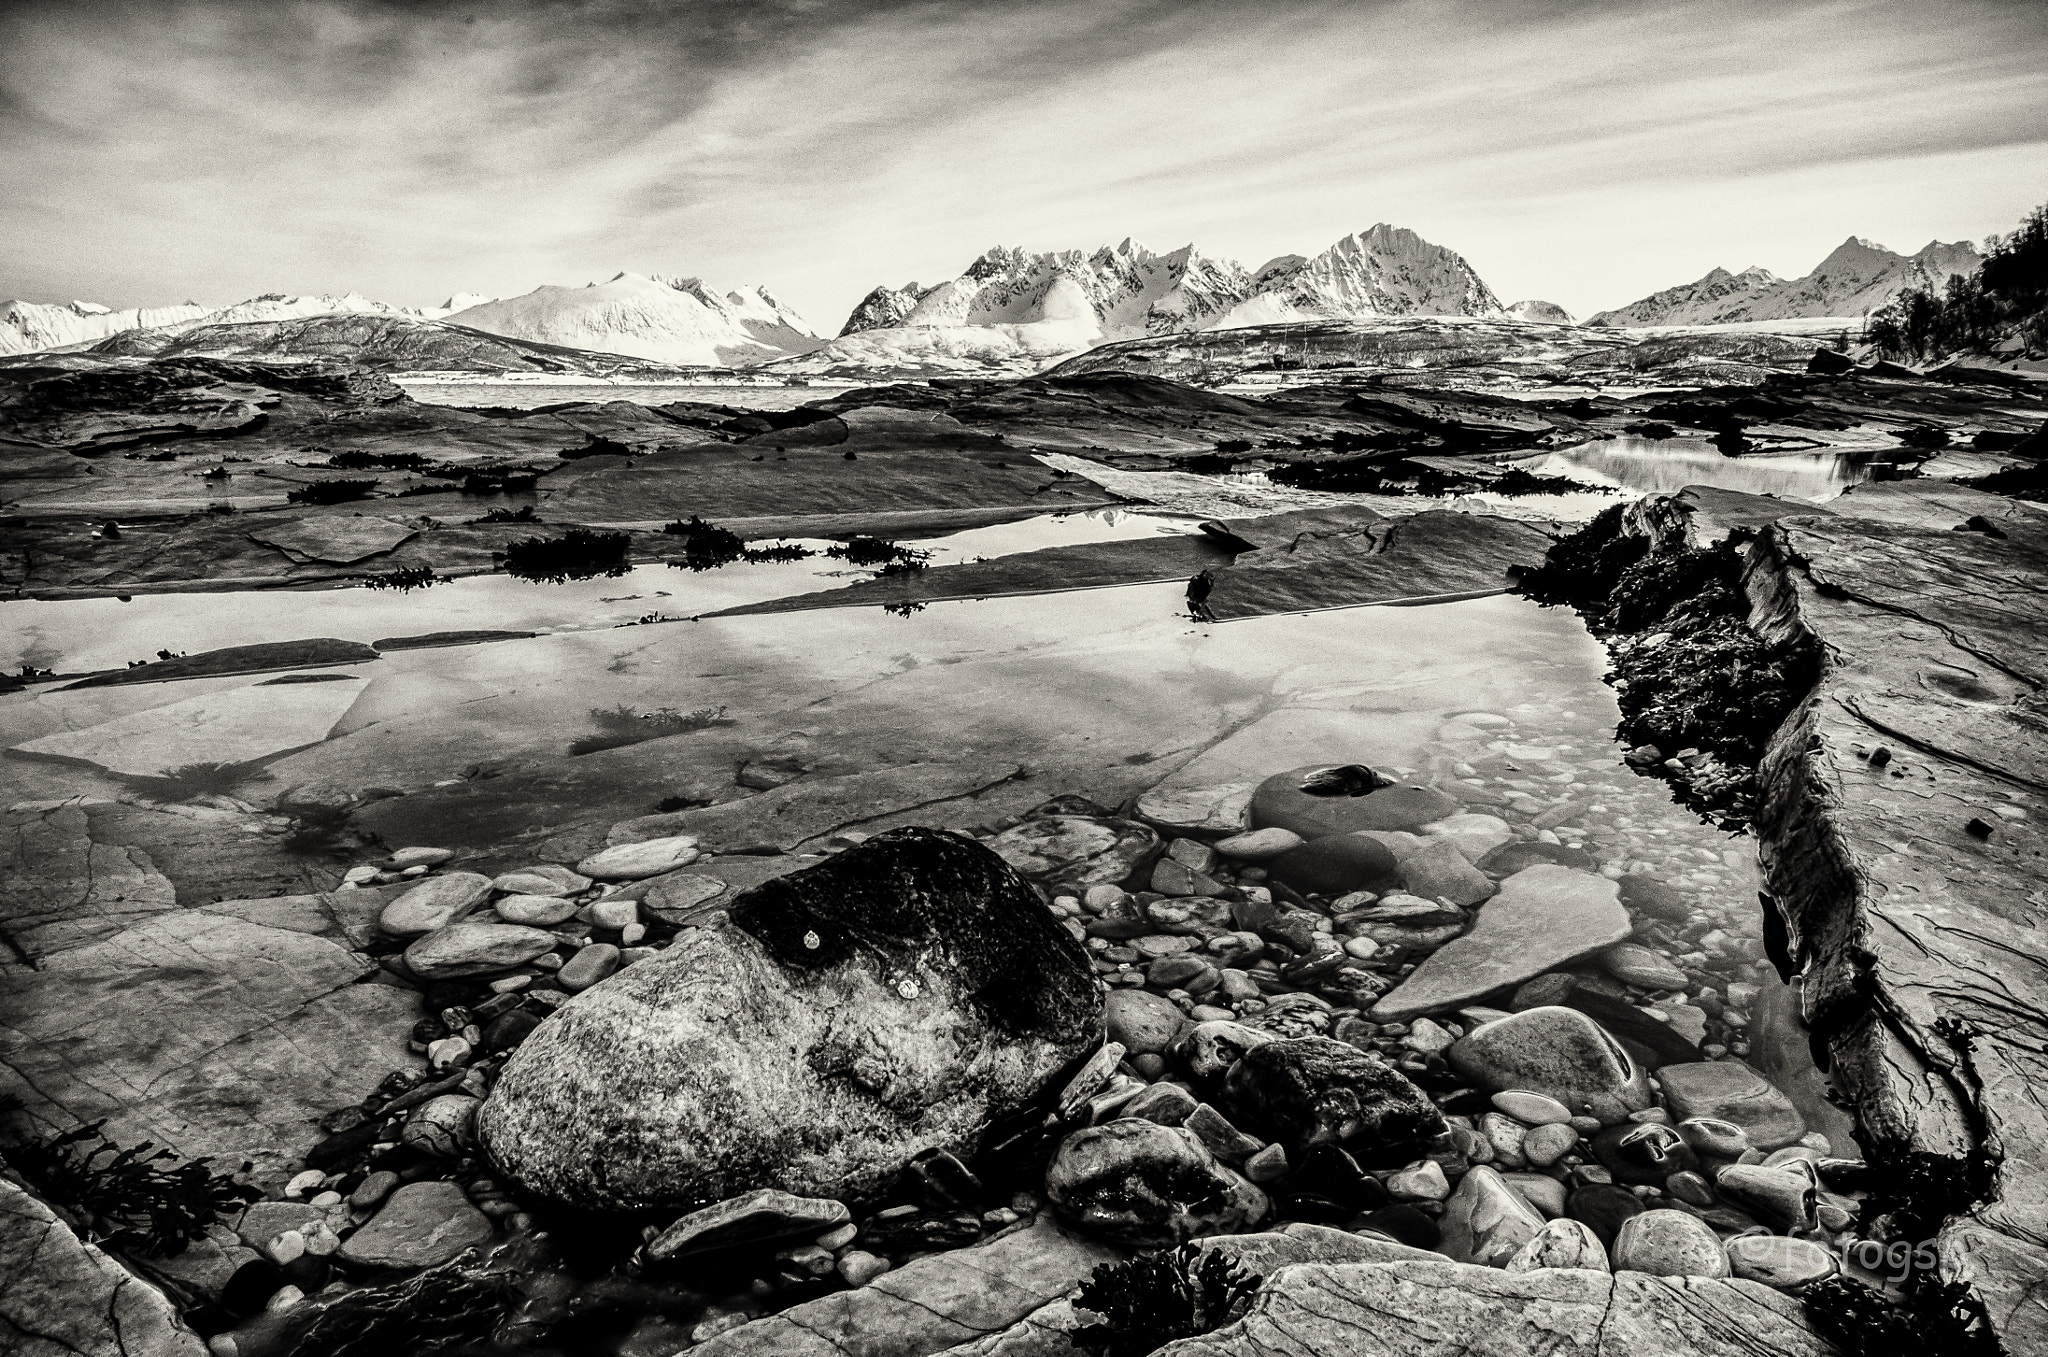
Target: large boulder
x: 1314, y: 1091
x: 1544, y: 917
x: 1144, y: 1185
x: 893, y: 999
x: 1317, y: 800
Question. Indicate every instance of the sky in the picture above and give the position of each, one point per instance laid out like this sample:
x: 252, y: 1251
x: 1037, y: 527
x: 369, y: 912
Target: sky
x: 1587, y: 152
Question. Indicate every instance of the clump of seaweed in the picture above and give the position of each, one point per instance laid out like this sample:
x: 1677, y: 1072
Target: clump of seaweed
x: 580, y: 555
x: 1149, y: 1302
x: 152, y: 1205
x: 404, y: 580
x: 879, y: 551
x: 1936, y: 1319
x: 451, y: 1308
x: 332, y: 492
x: 623, y: 725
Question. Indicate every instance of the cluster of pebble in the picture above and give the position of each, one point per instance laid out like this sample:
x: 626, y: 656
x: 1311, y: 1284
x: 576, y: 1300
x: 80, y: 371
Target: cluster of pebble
x: 1262, y: 977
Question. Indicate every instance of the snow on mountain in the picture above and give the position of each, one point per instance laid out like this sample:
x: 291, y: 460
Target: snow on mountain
x: 671, y: 320
x: 1013, y: 307
x: 30, y: 327
x: 1541, y: 312
x: 1386, y: 271
x: 461, y: 301
x: 883, y: 307
x: 1857, y: 278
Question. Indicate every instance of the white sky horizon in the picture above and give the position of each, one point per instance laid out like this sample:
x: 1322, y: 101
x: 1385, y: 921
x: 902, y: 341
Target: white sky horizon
x: 1585, y: 152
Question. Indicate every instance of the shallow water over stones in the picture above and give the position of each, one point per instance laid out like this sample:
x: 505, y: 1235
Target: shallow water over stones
x: 1662, y: 466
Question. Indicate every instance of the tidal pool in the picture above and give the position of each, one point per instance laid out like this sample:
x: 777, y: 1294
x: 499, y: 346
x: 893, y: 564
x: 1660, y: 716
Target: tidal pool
x: 1660, y: 466
x: 527, y: 395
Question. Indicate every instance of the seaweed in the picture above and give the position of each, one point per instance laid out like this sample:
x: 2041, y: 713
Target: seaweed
x: 1936, y: 1319
x: 623, y: 725
x: 332, y: 492
x: 189, y: 780
x: 153, y: 1205
x: 866, y: 551
x: 404, y: 580
x: 1149, y: 1302
x: 450, y: 1308
x: 581, y: 555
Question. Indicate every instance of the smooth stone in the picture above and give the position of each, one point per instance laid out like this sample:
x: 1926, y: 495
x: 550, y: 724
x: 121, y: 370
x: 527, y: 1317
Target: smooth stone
x: 1177, y: 878
x: 1531, y: 1109
x: 1712, y: 1136
x: 1667, y: 1243
x: 1559, y: 1053
x: 897, y: 997
x: 421, y: 1225
x: 1560, y: 1243
x: 1439, y: 871
x: 616, y: 915
x: 373, y: 1189
x: 1474, y: 835
x: 1141, y: 1022
x: 1144, y: 1185
x: 546, y: 879
x: 1728, y: 1090
x: 1089, y: 1079
x: 681, y: 897
x: 417, y: 857
x: 1512, y: 859
x: 1279, y: 802
x: 1076, y: 852
x: 1167, y: 1104
x: 1220, y: 1136
x: 590, y: 965
x: 1543, y: 918
x: 1485, y: 1221
x: 1335, y: 865
x: 1690, y: 1187
x: 1542, y: 1191
x: 1216, y: 809
x: 1545, y: 1145
x: 1634, y: 964
x: 535, y: 911
x: 443, y: 1126
x: 1643, y: 1152
x: 1259, y: 844
x: 1423, y: 1181
x: 1207, y: 1050
x: 1779, y: 1197
x: 750, y: 1220
x: 1505, y: 1135
x: 1313, y: 1091
x: 1603, y: 1207
x: 1780, y: 1262
x: 631, y: 861
x: 464, y: 949
x: 435, y: 903
x: 1651, y: 897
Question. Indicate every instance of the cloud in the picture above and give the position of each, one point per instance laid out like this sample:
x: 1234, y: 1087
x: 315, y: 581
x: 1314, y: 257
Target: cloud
x: 1591, y: 151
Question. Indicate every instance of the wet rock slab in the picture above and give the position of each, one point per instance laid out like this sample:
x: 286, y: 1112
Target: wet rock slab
x: 63, y: 1297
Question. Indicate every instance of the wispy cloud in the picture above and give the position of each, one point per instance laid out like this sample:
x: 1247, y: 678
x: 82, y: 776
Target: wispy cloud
x: 1585, y: 151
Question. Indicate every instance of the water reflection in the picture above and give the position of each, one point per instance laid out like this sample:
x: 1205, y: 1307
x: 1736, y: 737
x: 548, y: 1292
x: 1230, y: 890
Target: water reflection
x: 1652, y: 466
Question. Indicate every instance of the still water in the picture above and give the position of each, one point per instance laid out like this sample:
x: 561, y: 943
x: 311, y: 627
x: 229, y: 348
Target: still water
x: 1659, y: 466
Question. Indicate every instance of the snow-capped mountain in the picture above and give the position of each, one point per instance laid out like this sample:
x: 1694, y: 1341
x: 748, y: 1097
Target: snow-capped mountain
x: 671, y: 320
x: 1386, y: 271
x: 30, y: 327
x: 1014, y: 306
x: 1857, y: 278
x: 1541, y: 312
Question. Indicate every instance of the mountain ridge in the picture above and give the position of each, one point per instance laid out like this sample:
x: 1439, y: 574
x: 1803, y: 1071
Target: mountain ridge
x: 1856, y: 278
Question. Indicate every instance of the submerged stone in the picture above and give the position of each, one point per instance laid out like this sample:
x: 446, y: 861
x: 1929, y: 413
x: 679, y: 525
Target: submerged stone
x: 896, y: 998
x: 1314, y: 1091
x: 1145, y: 1185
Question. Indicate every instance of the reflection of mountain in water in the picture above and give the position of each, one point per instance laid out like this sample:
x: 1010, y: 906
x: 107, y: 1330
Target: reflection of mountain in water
x: 1651, y: 466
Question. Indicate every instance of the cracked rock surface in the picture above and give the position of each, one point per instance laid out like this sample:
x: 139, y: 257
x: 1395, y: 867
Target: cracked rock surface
x: 61, y: 1297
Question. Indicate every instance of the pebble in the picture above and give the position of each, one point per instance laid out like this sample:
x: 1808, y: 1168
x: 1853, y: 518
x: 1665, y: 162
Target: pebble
x: 1544, y: 1145
x: 1419, y: 1182
x: 858, y: 1268
x: 1634, y: 964
x: 1267, y: 1165
x: 543, y: 880
x: 1668, y: 1243
x: 305, y: 1182
x: 590, y: 965
x: 1780, y: 1262
x: 373, y: 1189
x: 434, y: 904
x: 615, y: 914
x: 416, y: 857
x: 1532, y: 1109
x: 633, y: 861
x: 1260, y: 844
x: 536, y: 911
x: 1562, y: 1243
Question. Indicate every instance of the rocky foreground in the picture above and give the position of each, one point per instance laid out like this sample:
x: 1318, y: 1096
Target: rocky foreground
x: 1474, y: 1055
